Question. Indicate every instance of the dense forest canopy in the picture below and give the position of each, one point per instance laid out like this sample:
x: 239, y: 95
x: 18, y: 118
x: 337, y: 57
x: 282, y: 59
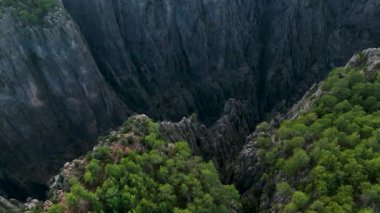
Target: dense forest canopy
x: 328, y: 159
x: 143, y: 173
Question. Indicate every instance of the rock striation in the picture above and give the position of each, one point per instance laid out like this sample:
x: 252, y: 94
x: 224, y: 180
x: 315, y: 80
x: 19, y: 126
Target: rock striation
x: 54, y: 101
x: 221, y: 142
x: 173, y: 58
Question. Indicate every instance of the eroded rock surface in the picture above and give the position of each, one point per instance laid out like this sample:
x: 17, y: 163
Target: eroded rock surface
x: 54, y: 101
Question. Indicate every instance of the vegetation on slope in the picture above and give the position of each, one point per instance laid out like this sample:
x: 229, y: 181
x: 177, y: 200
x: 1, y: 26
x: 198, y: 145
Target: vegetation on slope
x: 30, y: 11
x: 328, y: 159
x: 137, y: 171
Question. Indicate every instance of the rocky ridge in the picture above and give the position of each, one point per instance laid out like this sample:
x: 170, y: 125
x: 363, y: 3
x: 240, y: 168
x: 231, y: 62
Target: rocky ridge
x: 221, y: 142
x: 249, y: 165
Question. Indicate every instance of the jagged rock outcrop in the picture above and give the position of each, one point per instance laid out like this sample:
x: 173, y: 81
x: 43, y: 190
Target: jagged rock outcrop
x: 6, y: 205
x: 221, y: 142
x: 368, y: 60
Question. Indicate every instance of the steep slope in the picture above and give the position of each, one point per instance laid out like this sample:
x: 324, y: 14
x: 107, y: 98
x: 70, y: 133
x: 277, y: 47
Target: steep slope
x: 135, y: 169
x: 326, y: 157
x: 53, y: 98
x: 173, y: 58
x: 178, y: 49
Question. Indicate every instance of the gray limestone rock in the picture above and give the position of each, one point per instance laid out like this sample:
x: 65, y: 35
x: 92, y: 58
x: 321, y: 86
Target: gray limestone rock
x: 54, y: 101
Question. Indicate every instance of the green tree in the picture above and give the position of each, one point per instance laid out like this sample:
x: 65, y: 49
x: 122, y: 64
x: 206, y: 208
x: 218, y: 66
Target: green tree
x: 300, y: 199
x: 299, y: 160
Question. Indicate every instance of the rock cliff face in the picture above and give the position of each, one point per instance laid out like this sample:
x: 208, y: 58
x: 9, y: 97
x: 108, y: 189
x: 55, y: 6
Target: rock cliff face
x: 172, y: 58
x: 61, y: 85
x: 53, y: 98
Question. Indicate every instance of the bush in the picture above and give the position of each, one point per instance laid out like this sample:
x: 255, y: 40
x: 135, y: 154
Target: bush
x: 296, y: 142
x: 317, y: 206
x: 263, y: 142
x: 300, y: 199
x: 263, y: 127
x: 299, y: 160
x: 291, y: 208
x: 101, y: 153
x: 283, y: 189
x: 56, y: 209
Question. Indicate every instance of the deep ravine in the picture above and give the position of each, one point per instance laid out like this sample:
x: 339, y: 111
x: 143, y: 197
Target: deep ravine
x: 97, y: 62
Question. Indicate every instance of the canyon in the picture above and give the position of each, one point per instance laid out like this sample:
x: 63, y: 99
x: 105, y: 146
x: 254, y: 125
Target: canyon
x: 92, y: 64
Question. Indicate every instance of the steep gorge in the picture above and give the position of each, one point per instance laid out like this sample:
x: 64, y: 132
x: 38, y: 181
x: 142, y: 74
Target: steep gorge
x: 172, y: 58
x: 63, y: 84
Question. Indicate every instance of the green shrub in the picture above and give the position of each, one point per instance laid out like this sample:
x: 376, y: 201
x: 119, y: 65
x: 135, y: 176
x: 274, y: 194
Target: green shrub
x: 317, y: 206
x: 30, y: 11
x: 263, y: 127
x: 296, y: 142
x: 101, y: 153
x: 290, y: 208
x: 299, y: 160
x: 56, y: 209
x: 300, y: 199
x: 263, y: 142
x: 283, y: 189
